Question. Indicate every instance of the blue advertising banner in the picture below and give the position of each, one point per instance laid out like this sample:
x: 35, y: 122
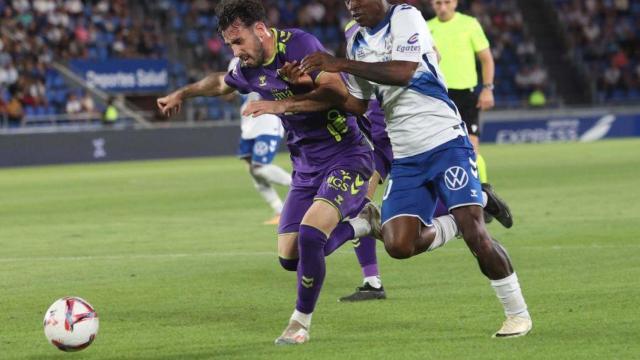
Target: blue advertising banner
x: 124, y: 75
x: 571, y: 128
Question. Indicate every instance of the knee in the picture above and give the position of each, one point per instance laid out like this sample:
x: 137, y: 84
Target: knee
x: 311, y: 238
x: 289, y: 264
x: 255, y: 170
x: 398, y: 252
x: 398, y: 246
x: 398, y: 249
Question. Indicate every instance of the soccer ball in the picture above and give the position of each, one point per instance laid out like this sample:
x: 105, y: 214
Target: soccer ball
x: 71, y: 324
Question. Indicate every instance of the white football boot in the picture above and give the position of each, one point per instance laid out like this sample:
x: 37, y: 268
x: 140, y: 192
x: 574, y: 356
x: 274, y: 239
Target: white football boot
x: 294, y: 334
x: 514, y: 326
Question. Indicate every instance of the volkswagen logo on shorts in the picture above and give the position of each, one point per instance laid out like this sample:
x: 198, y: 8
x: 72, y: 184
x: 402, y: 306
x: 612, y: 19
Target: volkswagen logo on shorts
x: 261, y: 148
x: 456, y: 178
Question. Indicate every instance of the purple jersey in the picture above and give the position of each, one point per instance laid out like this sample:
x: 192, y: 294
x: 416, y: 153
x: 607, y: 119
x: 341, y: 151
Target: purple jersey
x: 315, y: 140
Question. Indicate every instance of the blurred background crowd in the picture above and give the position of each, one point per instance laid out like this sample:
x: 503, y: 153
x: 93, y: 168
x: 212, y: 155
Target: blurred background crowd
x: 595, y: 41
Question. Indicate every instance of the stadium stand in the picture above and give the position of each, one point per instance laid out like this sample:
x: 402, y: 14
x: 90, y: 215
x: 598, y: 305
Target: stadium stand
x: 519, y: 70
x: 33, y: 33
x: 605, y: 37
x: 602, y: 36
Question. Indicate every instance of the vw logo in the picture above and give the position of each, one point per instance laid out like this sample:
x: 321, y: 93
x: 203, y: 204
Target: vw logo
x: 456, y: 178
x: 261, y: 148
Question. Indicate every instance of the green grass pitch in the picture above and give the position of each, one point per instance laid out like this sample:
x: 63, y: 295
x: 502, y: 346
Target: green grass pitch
x: 173, y: 256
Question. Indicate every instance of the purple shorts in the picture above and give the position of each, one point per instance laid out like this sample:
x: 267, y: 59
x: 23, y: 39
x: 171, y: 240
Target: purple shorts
x: 382, y: 158
x: 343, y: 188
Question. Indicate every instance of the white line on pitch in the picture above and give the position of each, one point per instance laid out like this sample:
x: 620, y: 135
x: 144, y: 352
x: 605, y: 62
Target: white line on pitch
x: 274, y: 253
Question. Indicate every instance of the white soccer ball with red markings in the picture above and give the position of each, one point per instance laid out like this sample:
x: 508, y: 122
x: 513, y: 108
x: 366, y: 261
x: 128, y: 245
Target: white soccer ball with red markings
x: 71, y: 324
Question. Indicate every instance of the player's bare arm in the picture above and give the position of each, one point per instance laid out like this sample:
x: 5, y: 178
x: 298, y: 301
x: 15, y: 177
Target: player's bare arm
x: 398, y: 73
x: 329, y: 92
x: 485, y: 99
x: 212, y: 85
x: 291, y: 73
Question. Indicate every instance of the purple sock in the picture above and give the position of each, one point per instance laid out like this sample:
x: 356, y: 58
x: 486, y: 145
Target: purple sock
x: 441, y: 210
x: 341, y: 234
x: 366, y: 252
x: 311, y: 270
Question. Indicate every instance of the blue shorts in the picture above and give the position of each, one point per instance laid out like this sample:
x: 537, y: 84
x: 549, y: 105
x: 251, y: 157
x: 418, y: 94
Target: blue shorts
x: 261, y: 150
x: 448, y: 172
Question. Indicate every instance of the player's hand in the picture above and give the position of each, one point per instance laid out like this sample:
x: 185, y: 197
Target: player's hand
x: 261, y: 107
x: 170, y: 104
x: 485, y: 100
x: 321, y: 61
x: 293, y: 74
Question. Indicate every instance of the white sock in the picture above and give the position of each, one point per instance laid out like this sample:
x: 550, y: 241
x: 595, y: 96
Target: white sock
x: 485, y: 198
x: 273, y: 174
x: 446, y: 229
x: 269, y: 194
x: 302, y: 318
x: 361, y: 227
x: 509, y: 293
x: 373, y: 281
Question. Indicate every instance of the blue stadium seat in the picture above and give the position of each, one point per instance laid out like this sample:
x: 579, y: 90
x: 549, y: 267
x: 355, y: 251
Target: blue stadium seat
x: 618, y: 95
x: 103, y: 53
x: 192, y: 36
x: 58, y: 81
x: 215, y: 113
x: 176, y: 23
x: 183, y: 8
x: 202, y: 21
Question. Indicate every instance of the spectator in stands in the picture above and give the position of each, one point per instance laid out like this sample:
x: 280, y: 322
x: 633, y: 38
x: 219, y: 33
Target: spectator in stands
x: 8, y: 74
x: 110, y: 115
x: 530, y: 77
x: 526, y: 51
x: 35, y: 92
x: 538, y: 76
x: 74, y: 106
x: 603, y: 35
x: 610, y: 80
x: 88, y: 106
x: 13, y: 108
x: 3, y: 111
x: 537, y: 98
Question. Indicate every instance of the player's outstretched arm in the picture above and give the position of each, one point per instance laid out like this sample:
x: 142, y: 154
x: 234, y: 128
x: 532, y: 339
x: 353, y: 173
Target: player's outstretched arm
x: 212, y: 85
x: 330, y: 92
x: 396, y: 72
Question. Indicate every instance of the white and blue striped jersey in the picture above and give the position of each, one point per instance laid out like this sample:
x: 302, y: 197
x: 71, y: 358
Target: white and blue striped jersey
x: 419, y: 116
x: 252, y: 127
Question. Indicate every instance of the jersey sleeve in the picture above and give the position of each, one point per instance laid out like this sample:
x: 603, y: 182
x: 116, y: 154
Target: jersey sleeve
x: 236, y: 80
x: 479, y: 40
x: 358, y: 87
x: 410, y: 35
x: 300, y: 45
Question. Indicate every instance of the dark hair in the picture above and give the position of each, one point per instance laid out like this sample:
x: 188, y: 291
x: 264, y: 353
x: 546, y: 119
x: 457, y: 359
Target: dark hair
x: 248, y: 12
